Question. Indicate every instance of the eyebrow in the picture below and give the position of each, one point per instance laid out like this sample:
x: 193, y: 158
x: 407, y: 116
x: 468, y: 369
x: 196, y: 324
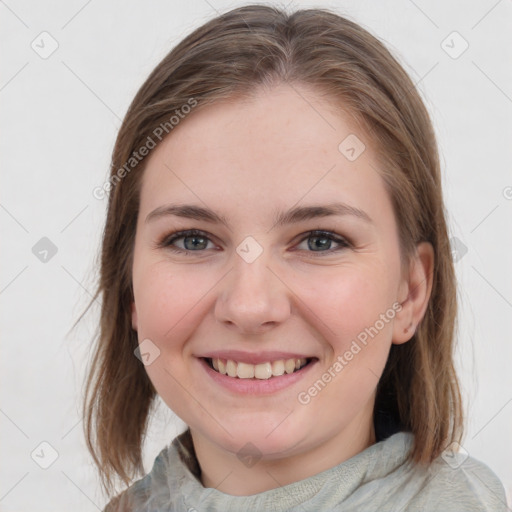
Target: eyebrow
x: 294, y: 215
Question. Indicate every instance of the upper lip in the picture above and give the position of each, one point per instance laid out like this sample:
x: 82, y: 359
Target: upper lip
x: 253, y: 357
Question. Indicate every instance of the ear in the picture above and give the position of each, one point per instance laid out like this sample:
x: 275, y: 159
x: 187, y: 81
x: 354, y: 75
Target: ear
x: 134, y: 317
x: 414, y: 293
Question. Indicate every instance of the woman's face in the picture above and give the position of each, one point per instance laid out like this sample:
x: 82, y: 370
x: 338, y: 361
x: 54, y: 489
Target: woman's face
x: 255, y: 288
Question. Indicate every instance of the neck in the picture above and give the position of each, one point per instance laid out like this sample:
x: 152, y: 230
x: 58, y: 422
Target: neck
x: 222, y: 470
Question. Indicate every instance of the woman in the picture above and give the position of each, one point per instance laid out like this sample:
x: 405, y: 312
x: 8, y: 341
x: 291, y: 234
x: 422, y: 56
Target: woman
x: 276, y: 267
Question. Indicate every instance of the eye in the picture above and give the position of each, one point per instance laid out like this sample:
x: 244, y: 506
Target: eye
x: 194, y: 240
x: 321, y: 242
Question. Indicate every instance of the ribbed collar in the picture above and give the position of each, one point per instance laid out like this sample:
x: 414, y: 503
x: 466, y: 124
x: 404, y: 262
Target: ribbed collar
x: 334, y: 485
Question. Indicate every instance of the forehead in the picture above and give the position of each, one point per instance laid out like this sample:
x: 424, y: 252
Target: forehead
x: 276, y: 148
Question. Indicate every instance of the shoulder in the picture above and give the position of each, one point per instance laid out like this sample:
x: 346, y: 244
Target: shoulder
x: 456, y: 481
x: 453, y: 482
x: 131, y: 499
x: 142, y: 494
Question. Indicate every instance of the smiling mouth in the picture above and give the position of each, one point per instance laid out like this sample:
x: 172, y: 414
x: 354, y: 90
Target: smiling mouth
x: 262, y: 371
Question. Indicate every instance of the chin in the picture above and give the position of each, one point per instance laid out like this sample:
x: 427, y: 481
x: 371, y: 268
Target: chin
x: 268, y: 437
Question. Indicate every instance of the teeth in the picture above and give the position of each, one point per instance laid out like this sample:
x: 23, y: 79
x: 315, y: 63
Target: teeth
x: 244, y: 370
x: 289, y: 365
x: 262, y: 371
x: 231, y: 368
x: 278, y: 368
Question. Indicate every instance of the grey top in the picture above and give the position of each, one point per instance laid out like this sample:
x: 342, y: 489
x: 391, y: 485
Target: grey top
x: 378, y: 479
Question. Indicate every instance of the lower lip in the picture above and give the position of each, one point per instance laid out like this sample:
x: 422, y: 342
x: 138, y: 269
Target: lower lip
x: 257, y: 386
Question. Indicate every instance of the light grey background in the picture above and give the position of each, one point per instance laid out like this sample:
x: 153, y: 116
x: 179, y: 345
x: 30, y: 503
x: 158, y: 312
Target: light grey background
x: 60, y: 116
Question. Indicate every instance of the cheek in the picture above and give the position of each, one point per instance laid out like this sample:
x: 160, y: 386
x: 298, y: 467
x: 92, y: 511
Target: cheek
x: 348, y: 301
x: 348, y: 306
x: 165, y: 303
x: 168, y: 308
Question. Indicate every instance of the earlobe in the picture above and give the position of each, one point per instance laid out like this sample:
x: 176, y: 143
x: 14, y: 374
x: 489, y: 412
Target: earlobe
x: 415, y: 294
x: 134, y: 317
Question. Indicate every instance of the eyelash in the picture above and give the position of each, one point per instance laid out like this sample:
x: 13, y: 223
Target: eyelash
x: 168, y: 239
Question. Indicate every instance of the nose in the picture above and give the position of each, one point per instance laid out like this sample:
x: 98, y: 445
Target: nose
x: 253, y: 297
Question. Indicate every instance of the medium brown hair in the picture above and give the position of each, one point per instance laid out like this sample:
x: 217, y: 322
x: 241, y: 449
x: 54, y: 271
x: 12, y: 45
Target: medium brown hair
x: 231, y: 56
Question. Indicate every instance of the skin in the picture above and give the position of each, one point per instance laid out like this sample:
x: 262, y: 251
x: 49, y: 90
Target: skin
x: 247, y: 159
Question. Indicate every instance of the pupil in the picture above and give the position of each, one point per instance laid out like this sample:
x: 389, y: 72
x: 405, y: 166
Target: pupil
x: 195, y: 244
x: 324, y: 242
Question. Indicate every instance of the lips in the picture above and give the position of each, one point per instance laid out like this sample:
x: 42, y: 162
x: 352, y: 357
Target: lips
x: 266, y: 366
